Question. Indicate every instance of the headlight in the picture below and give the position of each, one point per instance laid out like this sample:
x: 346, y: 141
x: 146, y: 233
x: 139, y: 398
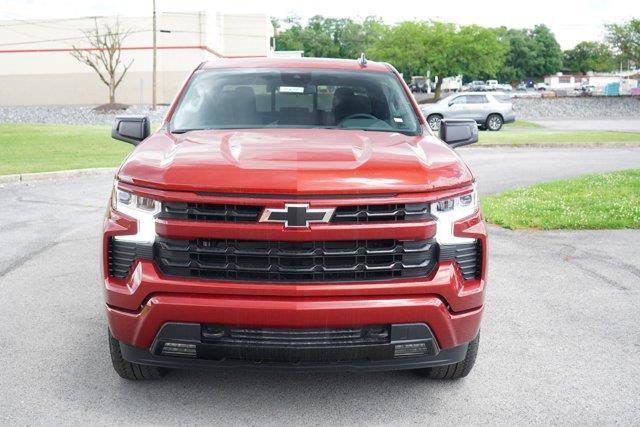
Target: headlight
x: 449, y: 211
x: 140, y: 208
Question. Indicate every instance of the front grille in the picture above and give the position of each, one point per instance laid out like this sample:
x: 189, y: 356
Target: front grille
x: 210, y: 212
x: 248, y: 213
x: 295, y: 337
x: 375, y: 213
x: 276, y: 261
x: 468, y: 256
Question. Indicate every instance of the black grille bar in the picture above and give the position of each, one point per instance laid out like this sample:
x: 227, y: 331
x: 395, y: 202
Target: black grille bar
x: 248, y: 213
x: 296, y: 337
x: 374, y: 213
x: 210, y: 212
x: 468, y: 256
x: 277, y: 261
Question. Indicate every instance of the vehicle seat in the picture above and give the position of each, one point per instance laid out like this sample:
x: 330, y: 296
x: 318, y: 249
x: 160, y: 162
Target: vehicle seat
x: 244, y: 106
x: 346, y: 103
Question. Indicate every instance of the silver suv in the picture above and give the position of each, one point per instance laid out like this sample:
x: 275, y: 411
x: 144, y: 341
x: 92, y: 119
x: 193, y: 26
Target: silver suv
x: 489, y: 110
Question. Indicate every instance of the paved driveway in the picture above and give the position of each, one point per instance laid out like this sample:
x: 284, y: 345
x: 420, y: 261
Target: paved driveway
x: 499, y: 169
x: 560, y: 340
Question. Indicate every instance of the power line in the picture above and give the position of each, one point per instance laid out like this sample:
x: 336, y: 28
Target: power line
x: 69, y: 38
x: 122, y: 33
x: 20, y: 22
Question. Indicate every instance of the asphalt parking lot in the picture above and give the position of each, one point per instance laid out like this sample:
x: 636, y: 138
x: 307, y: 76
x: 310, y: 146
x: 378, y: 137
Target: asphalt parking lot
x: 621, y: 125
x: 560, y: 339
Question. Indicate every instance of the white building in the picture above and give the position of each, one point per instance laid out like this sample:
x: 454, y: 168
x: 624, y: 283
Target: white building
x: 628, y: 80
x: 560, y: 81
x: 36, y: 67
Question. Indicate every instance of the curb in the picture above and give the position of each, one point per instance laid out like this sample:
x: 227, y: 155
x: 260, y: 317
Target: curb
x: 43, y: 176
x: 559, y: 145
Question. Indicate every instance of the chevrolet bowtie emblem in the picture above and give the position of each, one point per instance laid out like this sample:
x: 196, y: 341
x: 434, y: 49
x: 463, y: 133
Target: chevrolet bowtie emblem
x: 296, y: 215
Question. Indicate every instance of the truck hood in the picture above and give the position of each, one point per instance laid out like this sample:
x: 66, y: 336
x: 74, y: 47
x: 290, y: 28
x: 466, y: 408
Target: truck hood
x: 294, y: 161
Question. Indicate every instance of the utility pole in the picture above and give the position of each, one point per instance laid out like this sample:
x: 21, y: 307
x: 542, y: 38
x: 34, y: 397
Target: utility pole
x: 153, y: 72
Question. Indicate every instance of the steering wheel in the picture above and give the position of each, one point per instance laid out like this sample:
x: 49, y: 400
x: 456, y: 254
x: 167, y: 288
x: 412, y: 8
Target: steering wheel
x: 359, y: 116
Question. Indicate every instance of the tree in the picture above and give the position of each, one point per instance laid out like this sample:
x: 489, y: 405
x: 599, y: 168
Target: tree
x: 443, y: 49
x: 625, y: 38
x: 104, y: 55
x: 520, y: 57
x: 355, y: 37
x: 290, y: 38
x: 329, y: 37
x: 530, y: 53
x: 589, y: 56
x: 548, y: 59
x: 404, y: 47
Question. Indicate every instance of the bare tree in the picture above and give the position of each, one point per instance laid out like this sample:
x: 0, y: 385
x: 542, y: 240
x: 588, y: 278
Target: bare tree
x: 103, y: 55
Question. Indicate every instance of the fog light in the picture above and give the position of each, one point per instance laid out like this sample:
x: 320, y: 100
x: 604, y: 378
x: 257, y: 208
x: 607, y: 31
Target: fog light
x: 411, y: 349
x: 179, y: 349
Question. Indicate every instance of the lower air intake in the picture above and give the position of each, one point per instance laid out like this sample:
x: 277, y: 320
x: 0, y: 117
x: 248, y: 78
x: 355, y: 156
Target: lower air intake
x: 468, y: 256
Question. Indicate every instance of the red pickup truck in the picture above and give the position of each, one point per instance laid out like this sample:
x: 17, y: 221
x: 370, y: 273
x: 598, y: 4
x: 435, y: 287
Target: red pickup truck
x: 294, y: 214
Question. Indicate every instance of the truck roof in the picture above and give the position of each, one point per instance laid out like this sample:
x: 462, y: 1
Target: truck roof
x: 317, y: 63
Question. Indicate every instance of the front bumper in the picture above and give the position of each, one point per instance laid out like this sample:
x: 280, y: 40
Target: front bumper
x: 140, y: 305
x: 139, y: 328
x: 390, y: 355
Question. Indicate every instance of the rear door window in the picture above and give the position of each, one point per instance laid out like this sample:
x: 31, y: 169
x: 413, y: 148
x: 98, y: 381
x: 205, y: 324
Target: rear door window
x: 476, y: 99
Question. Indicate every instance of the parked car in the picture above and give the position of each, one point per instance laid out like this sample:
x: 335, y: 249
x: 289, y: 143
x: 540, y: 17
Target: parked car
x: 294, y: 213
x: 585, y: 89
x: 483, y: 107
x: 541, y: 86
x: 522, y: 86
x: 477, y: 86
x: 492, y: 85
x: 420, y: 84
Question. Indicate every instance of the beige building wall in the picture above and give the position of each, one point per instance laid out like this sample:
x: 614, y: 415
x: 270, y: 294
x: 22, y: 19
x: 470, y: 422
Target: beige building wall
x: 36, y: 66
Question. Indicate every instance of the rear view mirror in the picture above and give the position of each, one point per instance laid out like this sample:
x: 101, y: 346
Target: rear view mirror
x: 131, y: 129
x: 457, y: 133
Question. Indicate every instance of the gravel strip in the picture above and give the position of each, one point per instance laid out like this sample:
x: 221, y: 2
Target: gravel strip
x: 577, y: 108
x: 73, y: 115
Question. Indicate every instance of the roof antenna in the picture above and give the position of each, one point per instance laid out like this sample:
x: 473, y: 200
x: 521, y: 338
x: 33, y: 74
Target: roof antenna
x: 362, y: 61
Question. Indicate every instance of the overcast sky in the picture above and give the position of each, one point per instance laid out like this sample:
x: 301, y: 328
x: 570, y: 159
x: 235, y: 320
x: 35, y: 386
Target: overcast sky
x: 571, y: 20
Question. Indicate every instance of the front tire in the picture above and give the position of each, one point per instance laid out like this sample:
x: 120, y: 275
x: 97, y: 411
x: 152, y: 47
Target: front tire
x: 455, y: 370
x: 494, y: 122
x: 132, y: 371
x: 434, y: 122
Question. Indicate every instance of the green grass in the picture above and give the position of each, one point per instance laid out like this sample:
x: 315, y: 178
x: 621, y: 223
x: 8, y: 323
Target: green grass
x: 558, y: 137
x: 600, y: 201
x: 44, y: 148
x: 522, y: 124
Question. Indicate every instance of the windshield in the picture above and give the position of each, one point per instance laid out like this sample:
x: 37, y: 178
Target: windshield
x: 241, y: 99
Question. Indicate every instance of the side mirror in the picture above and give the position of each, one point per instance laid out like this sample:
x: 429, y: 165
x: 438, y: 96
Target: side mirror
x: 131, y: 129
x: 457, y: 133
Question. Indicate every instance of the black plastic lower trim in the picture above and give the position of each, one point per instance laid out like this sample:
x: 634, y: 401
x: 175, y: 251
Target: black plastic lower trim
x: 372, y: 357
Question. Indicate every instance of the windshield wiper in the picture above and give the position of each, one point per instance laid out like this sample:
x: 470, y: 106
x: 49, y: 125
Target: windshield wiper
x: 187, y: 130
